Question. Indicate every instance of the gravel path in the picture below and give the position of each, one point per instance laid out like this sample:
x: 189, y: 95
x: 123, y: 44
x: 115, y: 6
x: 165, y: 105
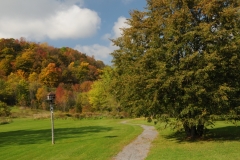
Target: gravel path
x: 139, y: 148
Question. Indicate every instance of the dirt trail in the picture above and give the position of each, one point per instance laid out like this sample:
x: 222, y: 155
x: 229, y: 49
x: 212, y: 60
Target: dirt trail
x: 139, y: 148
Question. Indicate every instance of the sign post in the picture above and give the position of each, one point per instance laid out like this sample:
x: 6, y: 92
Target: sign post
x: 50, y: 98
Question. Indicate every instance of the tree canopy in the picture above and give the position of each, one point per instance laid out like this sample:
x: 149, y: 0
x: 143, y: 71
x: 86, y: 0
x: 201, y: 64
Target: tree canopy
x: 181, y: 59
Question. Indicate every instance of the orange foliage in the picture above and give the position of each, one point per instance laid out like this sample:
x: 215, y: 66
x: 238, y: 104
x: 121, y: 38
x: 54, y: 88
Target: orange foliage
x: 86, y: 86
x: 60, y: 94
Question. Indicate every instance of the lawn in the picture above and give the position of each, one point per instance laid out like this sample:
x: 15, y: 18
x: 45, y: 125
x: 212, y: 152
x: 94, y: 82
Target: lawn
x: 221, y: 142
x: 101, y: 139
x: 74, y: 139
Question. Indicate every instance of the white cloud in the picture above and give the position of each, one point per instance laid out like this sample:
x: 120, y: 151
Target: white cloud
x: 117, y: 29
x: 99, y: 52
x: 103, y: 52
x: 74, y: 22
x: 106, y: 36
x: 54, y: 19
x: 121, y: 23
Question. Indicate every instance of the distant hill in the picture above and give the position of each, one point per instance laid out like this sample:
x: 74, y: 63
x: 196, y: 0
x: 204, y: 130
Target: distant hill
x: 28, y: 71
x: 28, y: 57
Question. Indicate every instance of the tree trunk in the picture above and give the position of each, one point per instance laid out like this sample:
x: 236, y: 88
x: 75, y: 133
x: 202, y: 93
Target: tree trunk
x: 187, y: 129
x: 200, y: 130
x: 193, y: 131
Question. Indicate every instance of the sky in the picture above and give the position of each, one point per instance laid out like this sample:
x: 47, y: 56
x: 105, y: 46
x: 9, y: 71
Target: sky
x: 84, y: 25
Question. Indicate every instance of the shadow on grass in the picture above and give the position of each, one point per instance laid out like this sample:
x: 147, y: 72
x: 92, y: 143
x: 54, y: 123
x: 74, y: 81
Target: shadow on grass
x: 229, y: 133
x: 22, y: 137
x: 110, y: 136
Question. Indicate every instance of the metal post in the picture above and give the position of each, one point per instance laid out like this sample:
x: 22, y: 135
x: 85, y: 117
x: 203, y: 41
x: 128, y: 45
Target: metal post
x: 52, y: 121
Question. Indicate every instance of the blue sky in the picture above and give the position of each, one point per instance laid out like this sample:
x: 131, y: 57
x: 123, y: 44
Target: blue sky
x: 85, y: 25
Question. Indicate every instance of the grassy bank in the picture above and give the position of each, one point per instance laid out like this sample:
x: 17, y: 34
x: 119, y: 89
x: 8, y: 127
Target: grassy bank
x: 74, y: 139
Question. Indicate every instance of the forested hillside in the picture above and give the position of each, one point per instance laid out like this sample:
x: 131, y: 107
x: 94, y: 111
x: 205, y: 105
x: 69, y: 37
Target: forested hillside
x: 29, y: 71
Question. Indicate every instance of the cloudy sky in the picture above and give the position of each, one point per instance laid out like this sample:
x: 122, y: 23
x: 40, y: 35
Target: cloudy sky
x: 85, y: 25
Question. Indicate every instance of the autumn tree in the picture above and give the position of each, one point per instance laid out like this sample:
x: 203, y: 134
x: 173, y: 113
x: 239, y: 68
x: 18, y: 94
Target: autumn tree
x: 9, y: 47
x: 5, y: 66
x: 25, y: 61
x: 180, y: 59
x: 50, y: 75
x: 85, y: 86
x: 41, y: 97
x: 66, y: 98
x: 79, y: 71
x: 61, y: 98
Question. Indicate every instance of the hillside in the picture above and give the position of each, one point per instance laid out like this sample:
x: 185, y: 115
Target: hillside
x: 28, y: 71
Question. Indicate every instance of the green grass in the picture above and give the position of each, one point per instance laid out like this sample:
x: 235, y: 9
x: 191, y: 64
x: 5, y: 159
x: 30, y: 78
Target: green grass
x: 102, y: 139
x: 221, y: 142
x: 74, y: 139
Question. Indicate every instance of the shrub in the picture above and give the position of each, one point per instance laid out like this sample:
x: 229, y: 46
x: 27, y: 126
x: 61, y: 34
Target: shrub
x: 4, y: 110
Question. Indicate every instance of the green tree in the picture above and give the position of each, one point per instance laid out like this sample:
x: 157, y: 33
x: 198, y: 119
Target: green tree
x: 100, y: 96
x: 81, y: 102
x: 5, y: 66
x: 25, y: 61
x: 4, y: 110
x: 18, y: 88
x: 5, y: 96
x: 181, y: 59
x: 34, y: 85
x: 22, y: 92
x: 79, y: 71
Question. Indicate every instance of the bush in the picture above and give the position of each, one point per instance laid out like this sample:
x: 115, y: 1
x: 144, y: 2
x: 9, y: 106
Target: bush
x: 4, y: 110
x: 5, y: 120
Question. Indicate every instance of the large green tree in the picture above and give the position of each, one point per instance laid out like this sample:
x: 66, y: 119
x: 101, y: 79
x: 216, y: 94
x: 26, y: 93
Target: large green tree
x: 181, y: 59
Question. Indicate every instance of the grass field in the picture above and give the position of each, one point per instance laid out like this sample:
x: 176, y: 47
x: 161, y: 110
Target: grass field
x: 103, y: 138
x: 220, y: 143
x: 29, y: 139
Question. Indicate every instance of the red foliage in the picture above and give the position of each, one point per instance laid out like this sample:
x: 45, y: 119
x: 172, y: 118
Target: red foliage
x: 93, y: 72
x: 59, y: 94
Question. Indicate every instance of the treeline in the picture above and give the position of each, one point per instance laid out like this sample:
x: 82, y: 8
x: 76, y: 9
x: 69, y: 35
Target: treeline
x: 29, y: 71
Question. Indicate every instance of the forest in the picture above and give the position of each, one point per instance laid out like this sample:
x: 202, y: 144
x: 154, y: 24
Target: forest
x: 29, y: 71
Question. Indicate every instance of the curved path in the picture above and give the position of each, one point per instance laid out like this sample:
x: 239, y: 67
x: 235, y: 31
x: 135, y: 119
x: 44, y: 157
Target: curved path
x: 139, y: 148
